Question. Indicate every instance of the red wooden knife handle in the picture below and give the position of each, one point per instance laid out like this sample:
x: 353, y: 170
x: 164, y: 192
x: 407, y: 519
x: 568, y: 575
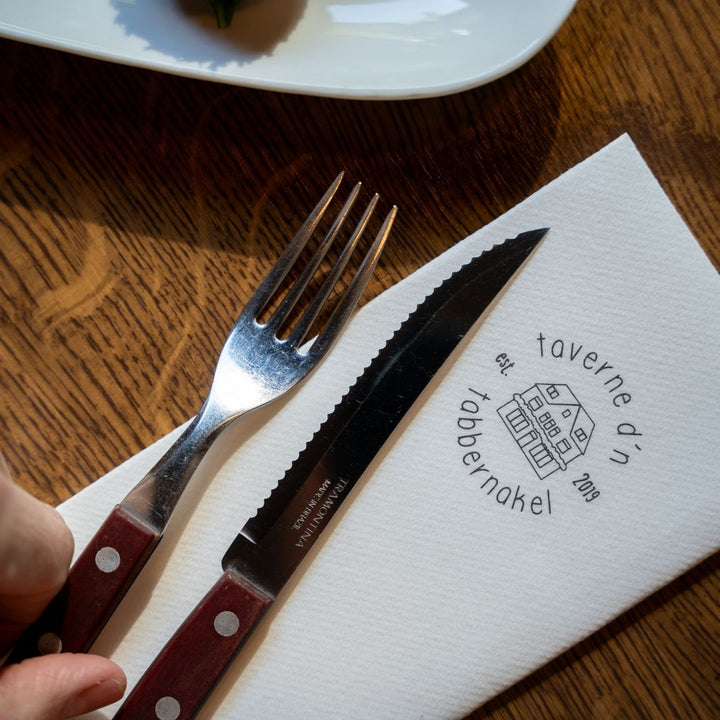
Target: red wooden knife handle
x: 176, y: 685
x: 97, y: 582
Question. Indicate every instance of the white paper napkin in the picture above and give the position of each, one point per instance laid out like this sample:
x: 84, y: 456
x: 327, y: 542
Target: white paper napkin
x: 468, y: 556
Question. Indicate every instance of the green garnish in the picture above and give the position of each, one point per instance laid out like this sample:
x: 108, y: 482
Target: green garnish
x: 224, y: 10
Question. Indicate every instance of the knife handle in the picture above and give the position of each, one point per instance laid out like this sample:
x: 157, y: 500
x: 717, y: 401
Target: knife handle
x: 96, y: 583
x: 182, y: 676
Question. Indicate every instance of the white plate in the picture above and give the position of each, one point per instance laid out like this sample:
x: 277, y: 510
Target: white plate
x: 340, y: 48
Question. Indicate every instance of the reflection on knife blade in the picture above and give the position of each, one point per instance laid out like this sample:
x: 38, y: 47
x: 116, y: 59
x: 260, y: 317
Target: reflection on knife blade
x: 272, y: 544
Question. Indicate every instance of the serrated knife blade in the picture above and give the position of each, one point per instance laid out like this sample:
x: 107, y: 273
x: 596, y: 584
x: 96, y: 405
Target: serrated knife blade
x: 275, y: 541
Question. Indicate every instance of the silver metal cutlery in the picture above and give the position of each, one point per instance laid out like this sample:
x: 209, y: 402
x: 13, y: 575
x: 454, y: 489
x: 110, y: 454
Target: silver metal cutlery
x: 255, y: 367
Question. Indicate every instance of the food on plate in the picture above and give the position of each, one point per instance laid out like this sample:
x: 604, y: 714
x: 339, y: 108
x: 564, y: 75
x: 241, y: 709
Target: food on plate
x: 224, y: 10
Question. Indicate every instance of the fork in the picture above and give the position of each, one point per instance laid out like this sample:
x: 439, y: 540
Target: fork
x: 255, y: 367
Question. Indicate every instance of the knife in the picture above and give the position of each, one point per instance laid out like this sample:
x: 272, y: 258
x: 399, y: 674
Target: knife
x: 274, y: 542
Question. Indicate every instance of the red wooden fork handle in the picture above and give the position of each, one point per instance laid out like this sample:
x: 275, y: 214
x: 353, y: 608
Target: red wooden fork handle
x: 97, y: 582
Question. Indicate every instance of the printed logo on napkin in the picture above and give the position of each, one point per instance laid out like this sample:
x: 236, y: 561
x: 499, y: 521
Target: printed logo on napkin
x: 556, y: 430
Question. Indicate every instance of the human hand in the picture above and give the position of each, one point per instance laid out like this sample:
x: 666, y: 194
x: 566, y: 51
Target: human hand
x: 36, y: 547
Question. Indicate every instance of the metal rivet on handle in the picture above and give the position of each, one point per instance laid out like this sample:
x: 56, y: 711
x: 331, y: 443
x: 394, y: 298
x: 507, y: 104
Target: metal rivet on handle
x: 167, y: 708
x: 107, y: 559
x: 226, y: 623
x: 49, y: 644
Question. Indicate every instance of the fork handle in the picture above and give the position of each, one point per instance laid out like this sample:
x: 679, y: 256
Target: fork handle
x: 182, y: 676
x: 96, y: 583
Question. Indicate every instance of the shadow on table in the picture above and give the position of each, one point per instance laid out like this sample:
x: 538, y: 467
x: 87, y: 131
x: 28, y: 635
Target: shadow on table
x: 188, y: 166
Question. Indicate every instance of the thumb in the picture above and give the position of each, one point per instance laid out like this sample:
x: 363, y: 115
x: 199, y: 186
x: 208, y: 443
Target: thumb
x: 57, y: 687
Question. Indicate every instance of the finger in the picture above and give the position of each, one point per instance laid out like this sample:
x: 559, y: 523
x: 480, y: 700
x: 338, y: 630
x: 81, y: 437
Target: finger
x: 56, y: 687
x: 35, y: 551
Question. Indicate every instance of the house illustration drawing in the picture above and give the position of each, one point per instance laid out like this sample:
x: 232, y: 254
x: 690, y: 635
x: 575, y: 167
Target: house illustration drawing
x: 549, y: 425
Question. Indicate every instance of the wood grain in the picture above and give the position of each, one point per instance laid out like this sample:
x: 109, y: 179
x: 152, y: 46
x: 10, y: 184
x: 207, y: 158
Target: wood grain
x: 139, y: 210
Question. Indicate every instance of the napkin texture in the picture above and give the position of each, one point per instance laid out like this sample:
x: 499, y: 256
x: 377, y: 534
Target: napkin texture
x: 560, y: 468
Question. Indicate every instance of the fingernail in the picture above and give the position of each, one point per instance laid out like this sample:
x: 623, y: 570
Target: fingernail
x: 95, y: 697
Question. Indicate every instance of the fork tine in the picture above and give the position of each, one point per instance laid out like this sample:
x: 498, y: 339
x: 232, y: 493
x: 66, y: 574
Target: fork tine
x: 280, y: 269
x: 347, y: 304
x: 295, y: 292
x: 301, y: 329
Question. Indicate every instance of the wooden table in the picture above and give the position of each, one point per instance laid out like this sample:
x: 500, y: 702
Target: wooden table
x: 139, y: 209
